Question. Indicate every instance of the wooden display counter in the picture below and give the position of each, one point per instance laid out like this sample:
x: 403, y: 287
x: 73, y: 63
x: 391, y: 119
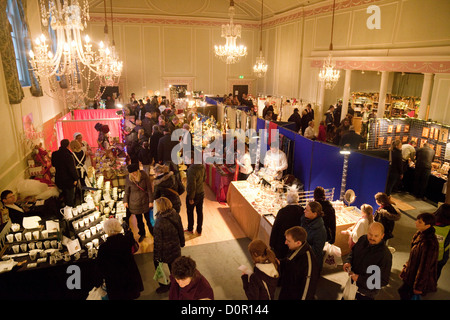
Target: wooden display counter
x: 258, y: 225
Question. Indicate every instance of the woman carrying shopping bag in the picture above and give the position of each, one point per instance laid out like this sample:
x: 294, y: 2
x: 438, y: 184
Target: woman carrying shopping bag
x: 138, y: 197
x: 168, y: 236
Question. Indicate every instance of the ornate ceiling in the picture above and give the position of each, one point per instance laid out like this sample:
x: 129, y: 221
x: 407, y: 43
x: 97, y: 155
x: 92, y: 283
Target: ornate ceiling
x: 245, y: 9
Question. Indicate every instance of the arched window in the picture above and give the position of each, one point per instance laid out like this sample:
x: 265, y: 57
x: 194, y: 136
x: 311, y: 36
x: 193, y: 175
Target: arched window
x: 18, y: 35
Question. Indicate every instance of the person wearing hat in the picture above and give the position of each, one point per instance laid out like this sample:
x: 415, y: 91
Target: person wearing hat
x: 295, y: 117
x: 138, y: 198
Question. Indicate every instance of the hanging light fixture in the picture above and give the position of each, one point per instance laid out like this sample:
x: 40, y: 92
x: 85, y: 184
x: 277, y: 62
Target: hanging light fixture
x: 74, y: 62
x: 230, y: 52
x: 328, y: 74
x: 112, y: 69
x: 260, y: 67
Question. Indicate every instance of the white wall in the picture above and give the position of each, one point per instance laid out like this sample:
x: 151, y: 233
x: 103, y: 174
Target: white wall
x: 16, y: 148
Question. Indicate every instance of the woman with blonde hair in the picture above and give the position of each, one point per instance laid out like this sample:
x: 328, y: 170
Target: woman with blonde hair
x: 361, y: 227
x: 261, y: 284
x: 138, y: 197
x: 168, y: 236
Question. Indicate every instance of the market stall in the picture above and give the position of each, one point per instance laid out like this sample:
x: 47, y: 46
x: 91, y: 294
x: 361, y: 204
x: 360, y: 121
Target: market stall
x: 218, y: 178
x: 255, y: 208
x: 84, y: 121
x: 36, y: 254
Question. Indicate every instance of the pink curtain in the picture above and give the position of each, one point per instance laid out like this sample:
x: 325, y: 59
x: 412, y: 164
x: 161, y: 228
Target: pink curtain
x: 90, y: 114
x: 65, y: 127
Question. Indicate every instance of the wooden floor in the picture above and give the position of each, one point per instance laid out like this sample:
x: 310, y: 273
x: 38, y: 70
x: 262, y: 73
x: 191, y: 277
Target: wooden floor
x: 402, y: 205
x: 218, y: 224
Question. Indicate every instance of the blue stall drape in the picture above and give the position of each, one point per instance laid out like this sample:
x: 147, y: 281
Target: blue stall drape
x: 320, y: 164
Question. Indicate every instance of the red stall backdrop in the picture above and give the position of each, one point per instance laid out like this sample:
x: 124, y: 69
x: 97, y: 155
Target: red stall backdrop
x: 83, y: 121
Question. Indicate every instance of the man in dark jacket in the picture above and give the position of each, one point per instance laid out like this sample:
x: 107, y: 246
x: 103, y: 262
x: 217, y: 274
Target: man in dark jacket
x: 148, y: 123
x: 424, y: 158
x: 154, y: 141
x: 66, y: 176
x: 165, y: 146
x: 367, y: 255
x: 395, y: 174
x: 295, y: 117
x: 299, y: 270
x: 352, y: 139
x: 196, y: 176
x: 287, y: 217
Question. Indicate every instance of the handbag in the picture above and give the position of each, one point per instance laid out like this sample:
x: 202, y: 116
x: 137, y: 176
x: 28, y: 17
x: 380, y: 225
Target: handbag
x: 162, y: 273
x: 350, y: 290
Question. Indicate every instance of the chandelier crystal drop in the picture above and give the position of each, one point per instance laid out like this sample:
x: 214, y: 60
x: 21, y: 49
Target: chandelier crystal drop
x: 230, y: 52
x: 74, y: 63
x: 328, y: 74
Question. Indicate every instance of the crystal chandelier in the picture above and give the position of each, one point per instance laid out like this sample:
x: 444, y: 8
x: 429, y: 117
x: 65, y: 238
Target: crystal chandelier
x: 328, y: 75
x: 230, y: 52
x: 260, y: 67
x: 74, y: 62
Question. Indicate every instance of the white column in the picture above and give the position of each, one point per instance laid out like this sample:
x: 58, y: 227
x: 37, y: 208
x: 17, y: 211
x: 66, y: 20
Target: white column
x: 320, y: 101
x: 382, y: 98
x: 425, y: 96
x: 346, y: 95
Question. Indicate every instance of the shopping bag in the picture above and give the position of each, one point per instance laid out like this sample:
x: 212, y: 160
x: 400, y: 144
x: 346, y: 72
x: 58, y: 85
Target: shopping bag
x: 332, y: 257
x: 97, y: 293
x: 350, y: 290
x: 162, y: 273
x: 152, y: 217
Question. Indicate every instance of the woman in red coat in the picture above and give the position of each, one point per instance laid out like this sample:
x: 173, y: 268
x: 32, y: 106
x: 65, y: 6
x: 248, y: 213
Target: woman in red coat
x: 322, y: 136
x: 187, y: 283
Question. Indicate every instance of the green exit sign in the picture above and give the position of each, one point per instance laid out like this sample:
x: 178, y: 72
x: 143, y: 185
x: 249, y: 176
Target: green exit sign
x: 241, y: 77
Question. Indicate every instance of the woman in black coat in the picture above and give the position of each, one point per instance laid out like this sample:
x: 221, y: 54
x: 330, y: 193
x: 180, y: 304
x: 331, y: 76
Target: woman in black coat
x: 329, y: 214
x: 395, y: 174
x: 287, y: 217
x: 386, y: 214
x: 167, y: 185
x: 116, y: 264
x: 168, y: 236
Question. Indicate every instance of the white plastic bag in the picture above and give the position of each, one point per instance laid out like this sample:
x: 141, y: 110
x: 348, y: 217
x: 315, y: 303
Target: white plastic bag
x: 350, y: 290
x: 97, y: 293
x: 332, y: 257
x: 162, y: 273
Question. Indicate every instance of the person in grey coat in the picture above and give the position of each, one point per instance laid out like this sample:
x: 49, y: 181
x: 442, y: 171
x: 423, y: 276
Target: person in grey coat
x: 138, y: 197
x: 168, y: 236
